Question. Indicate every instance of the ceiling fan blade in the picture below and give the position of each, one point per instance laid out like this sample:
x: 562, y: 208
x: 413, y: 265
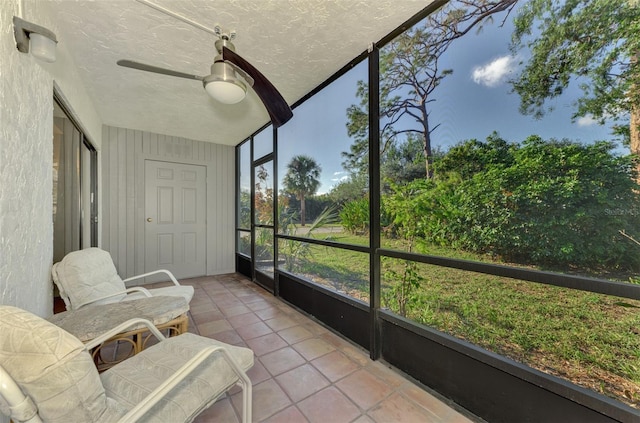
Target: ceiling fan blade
x: 155, y: 69
x: 278, y: 109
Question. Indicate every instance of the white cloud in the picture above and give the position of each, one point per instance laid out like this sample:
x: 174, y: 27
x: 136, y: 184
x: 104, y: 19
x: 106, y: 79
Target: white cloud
x: 494, y: 72
x: 586, y: 121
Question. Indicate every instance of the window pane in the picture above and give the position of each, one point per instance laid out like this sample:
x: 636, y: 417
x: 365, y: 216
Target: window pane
x: 263, y: 143
x: 244, y: 205
x: 580, y: 336
x: 244, y: 242
x: 263, y: 201
x: 317, y: 184
x: 343, y: 271
x: 264, y: 250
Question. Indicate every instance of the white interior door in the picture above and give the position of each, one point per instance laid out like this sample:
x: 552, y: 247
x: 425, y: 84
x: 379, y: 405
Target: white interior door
x: 175, y: 212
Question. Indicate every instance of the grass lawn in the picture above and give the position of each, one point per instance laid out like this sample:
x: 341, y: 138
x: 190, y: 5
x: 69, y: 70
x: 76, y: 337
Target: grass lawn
x: 590, y: 339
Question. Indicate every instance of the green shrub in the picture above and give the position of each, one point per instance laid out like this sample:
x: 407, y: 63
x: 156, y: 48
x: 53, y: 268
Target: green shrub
x: 354, y: 216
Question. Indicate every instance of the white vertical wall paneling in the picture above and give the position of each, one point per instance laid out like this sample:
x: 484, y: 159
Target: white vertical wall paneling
x: 124, y: 154
x: 112, y: 202
x: 103, y: 192
x: 138, y: 183
x: 131, y: 199
x: 121, y: 257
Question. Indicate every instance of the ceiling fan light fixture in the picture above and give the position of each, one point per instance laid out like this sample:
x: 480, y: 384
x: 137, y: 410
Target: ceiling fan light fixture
x: 224, y: 85
x: 227, y: 92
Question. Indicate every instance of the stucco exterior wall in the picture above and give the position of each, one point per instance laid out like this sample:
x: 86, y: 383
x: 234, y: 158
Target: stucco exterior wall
x: 26, y: 149
x: 26, y: 127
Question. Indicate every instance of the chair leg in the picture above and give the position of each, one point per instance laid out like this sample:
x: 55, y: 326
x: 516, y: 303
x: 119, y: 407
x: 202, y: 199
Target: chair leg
x: 246, y: 401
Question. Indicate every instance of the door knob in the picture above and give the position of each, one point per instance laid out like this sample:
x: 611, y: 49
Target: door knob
x: 149, y: 219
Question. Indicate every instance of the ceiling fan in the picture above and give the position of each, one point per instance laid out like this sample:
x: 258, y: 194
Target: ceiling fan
x: 230, y: 74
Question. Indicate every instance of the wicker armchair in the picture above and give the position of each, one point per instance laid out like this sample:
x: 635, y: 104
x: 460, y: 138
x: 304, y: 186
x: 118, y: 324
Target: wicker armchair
x: 46, y: 374
x: 89, y: 276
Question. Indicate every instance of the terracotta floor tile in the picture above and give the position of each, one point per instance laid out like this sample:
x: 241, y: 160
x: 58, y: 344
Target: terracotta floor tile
x: 328, y: 405
x: 432, y: 404
x: 288, y: 415
x: 202, y: 308
x: 282, y: 360
x: 399, y: 409
x: 221, y: 411
x: 250, y: 299
x: 258, y: 373
x: 332, y: 339
x: 314, y: 328
x: 259, y: 305
x: 301, y: 382
x: 295, y: 334
x: 243, y: 319
x: 384, y: 372
x: 356, y: 354
x: 234, y: 310
x: 214, y: 291
x: 266, y: 344
x: 364, y: 419
x: 313, y: 348
x: 207, y: 316
x: 270, y: 312
x: 253, y: 331
x: 279, y: 323
x: 335, y: 365
x: 268, y: 399
x: 303, y: 372
x: 211, y: 328
x: 228, y: 336
x: 200, y: 298
x: 364, y: 389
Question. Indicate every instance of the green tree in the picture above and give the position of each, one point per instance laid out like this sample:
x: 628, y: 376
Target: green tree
x: 591, y: 43
x: 356, y: 186
x: 403, y: 161
x: 472, y: 156
x: 301, y: 180
x: 409, y: 74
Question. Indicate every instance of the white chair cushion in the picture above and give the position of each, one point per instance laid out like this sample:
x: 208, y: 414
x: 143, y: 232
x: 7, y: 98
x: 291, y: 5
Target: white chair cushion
x: 52, y: 368
x: 184, y: 291
x: 132, y: 380
x: 88, y: 323
x: 87, y: 274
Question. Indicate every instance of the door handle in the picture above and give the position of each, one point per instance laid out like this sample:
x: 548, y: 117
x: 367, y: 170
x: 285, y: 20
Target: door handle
x: 149, y: 219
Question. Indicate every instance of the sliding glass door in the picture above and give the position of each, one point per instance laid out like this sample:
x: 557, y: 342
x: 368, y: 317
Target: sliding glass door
x: 75, y: 219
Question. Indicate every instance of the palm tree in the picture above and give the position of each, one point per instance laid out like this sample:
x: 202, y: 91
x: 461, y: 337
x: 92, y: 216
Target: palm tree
x: 301, y: 180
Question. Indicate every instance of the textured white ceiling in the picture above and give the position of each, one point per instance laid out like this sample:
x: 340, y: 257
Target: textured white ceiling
x: 296, y: 44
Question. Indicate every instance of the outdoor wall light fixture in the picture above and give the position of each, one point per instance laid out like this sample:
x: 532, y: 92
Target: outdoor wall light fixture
x: 37, y: 39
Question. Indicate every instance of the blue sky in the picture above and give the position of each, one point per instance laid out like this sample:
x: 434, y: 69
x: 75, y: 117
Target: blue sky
x: 471, y: 103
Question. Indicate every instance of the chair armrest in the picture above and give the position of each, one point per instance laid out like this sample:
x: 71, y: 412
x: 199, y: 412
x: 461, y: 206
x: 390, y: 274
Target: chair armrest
x: 122, y: 327
x: 21, y: 407
x: 144, y: 275
x: 150, y: 400
x: 145, y: 291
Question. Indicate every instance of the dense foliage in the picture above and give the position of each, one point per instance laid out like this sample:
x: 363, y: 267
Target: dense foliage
x: 539, y: 202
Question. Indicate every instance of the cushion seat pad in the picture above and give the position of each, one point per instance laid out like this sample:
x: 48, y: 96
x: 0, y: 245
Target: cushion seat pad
x: 132, y: 380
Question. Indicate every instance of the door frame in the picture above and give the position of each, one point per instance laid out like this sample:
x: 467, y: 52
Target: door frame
x: 174, y: 165
x: 258, y: 276
x: 213, y: 195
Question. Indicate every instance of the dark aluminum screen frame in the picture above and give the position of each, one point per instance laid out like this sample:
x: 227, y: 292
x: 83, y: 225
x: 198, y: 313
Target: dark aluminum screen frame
x: 489, y: 385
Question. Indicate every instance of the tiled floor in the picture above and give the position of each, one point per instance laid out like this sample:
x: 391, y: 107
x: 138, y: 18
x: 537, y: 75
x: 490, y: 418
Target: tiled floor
x: 303, y: 372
